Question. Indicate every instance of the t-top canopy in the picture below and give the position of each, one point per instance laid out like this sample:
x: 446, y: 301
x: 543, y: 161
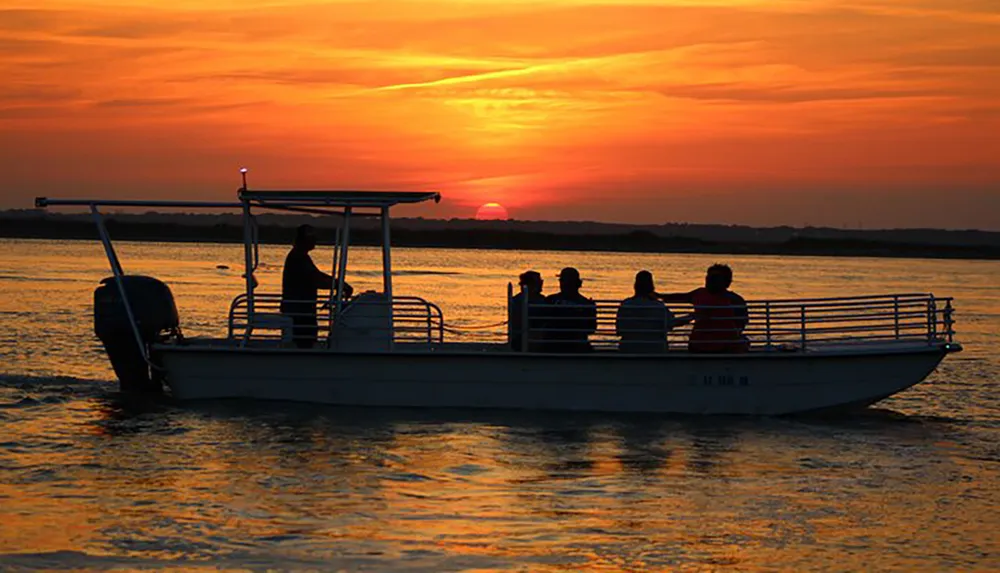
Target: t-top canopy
x: 337, y: 198
x: 266, y: 199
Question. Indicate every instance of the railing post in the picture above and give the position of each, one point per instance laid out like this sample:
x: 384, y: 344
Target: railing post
x: 510, y: 323
x: 429, y: 323
x: 895, y: 314
x: 948, y: 320
x: 931, y: 320
x: 767, y: 324
x: 802, y: 329
x: 524, y: 318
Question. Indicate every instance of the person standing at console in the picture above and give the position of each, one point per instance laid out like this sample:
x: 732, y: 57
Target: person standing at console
x: 300, y: 285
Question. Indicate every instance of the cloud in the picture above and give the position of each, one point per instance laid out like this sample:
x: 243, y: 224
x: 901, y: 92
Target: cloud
x: 142, y: 102
x: 790, y: 93
x: 20, y: 19
x: 576, y: 99
x: 38, y: 94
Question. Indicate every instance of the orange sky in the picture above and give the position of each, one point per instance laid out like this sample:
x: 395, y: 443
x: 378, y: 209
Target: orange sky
x: 833, y: 112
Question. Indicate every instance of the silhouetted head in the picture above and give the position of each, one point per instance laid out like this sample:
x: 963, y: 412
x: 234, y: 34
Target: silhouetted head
x: 532, y: 281
x: 569, y: 280
x: 718, y: 278
x: 644, y: 283
x: 305, y: 237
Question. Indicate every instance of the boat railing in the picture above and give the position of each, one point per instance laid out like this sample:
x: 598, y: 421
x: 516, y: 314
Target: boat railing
x: 773, y: 325
x: 787, y: 325
x: 413, y: 319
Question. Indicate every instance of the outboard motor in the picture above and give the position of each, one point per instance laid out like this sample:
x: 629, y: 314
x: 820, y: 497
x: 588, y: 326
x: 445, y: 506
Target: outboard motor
x: 156, y: 315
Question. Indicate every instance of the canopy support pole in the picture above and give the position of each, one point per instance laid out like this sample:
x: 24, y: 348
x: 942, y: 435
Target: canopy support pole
x: 116, y: 268
x: 387, y: 272
x: 343, y: 262
x: 248, y: 262
x: 332, y: 301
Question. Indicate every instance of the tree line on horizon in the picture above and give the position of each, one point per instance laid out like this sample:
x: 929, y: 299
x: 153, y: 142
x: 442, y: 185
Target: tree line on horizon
x: 712, y: 232
x: 635, y: 240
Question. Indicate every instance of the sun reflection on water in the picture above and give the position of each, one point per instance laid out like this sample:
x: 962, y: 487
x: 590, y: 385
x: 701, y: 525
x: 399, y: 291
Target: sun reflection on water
x: 90, y: 481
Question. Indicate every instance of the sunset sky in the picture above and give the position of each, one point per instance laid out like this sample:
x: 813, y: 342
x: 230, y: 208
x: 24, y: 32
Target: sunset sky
x: 879, y: 113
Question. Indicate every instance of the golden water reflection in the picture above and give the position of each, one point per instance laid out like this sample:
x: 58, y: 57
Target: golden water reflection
x: 89, y: 482
x: 306, y: 485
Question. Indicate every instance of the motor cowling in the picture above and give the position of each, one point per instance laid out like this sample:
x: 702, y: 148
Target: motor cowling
x: 156, y: 315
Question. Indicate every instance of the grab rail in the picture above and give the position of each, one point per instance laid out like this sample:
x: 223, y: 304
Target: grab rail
x: 770, y: 325
x: 414, y: 320
x: 782, y: 324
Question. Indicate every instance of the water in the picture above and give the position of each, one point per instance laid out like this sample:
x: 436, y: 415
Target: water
x: 91, y: 481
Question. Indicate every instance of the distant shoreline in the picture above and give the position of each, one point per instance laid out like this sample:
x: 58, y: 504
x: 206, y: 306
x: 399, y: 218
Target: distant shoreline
x: 497, y: 239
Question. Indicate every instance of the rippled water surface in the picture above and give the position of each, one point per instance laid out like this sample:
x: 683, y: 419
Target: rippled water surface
x: 89, y: 480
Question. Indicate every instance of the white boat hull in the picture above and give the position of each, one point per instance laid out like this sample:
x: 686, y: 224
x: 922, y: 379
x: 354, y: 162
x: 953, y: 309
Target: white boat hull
x: 756, y: 384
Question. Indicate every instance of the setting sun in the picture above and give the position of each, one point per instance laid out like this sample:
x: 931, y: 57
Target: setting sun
x: 492, y: 212
x: 761, y: 112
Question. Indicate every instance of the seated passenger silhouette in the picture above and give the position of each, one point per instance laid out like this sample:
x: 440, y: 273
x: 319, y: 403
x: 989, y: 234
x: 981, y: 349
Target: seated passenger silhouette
x: 530, y: 283
x: 720, y: 314
x: 300, y: 281
x: 570, y: 317
x: 643, y: 321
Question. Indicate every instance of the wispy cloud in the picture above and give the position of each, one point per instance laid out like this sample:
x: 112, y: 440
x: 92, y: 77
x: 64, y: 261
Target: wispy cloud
x: 539, y: 104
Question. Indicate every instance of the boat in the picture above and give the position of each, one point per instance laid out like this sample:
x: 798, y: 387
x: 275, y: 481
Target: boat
x: 384, y: 349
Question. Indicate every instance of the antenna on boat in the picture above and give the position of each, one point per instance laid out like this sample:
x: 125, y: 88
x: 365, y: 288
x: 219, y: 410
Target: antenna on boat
x: 243, y: 173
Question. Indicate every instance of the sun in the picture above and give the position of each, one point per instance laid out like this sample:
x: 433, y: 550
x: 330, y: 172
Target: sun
x: 492, y: 212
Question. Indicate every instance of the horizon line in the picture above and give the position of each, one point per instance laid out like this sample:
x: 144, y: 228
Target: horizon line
x: 804, y: 226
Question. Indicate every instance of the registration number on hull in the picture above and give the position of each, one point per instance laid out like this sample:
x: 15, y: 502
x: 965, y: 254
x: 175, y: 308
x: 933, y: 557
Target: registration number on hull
x: 721, y: 380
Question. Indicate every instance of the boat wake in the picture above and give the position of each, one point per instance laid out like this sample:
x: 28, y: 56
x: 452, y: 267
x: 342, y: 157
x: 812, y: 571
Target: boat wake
x: 224, y: 558
x: 18, y: 391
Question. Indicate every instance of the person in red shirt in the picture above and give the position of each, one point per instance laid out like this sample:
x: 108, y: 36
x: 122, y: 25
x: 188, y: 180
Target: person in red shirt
x: 720, y: 314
